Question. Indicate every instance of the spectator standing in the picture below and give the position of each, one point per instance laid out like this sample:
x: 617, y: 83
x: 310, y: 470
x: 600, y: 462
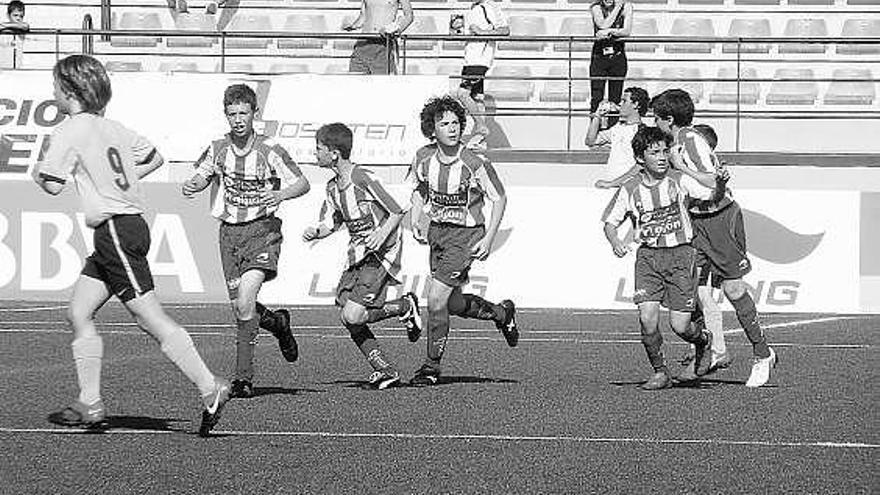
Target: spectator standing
x: 612, y: 20
x: 378, y: 53
x: 16, y: 27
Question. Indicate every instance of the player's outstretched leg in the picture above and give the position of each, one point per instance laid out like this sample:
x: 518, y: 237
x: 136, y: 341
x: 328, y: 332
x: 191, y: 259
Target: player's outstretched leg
x: 765, y: 358
x: 406, y: 309
x: 473, y: 306
x: 278, y: 324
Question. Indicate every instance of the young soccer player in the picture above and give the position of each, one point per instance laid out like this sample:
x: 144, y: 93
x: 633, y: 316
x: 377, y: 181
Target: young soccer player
x: 247, y: 171
x: 621, y: 163
x: 106, y: 162
x: 450, y: 185
x: 719, y: 234
x: 665, y: 270
x: 357, y: 199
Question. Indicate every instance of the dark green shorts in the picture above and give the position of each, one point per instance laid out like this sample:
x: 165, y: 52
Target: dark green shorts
x: 451, y: 251
x: 667, y: 276
x: 254, y: 245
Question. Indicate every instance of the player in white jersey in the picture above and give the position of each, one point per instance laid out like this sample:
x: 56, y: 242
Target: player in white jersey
x: 720, y: 236
x: 357, y: 199
x: 250, y: 176
x: 450, y: 185
x: 106, y: 162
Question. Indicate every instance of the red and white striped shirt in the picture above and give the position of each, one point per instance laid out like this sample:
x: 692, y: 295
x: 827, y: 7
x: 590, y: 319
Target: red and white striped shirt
x: 659, y: 210
x: 363, y: 204
x: 455, y: 192
x: 698, y: 155
x: 240, y: 178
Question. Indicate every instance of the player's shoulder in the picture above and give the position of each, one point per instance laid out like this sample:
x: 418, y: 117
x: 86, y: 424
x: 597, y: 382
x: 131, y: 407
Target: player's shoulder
x: 687, y: 134
x: 473, y: 159
x: 425, y: 152
x: 632, y: 183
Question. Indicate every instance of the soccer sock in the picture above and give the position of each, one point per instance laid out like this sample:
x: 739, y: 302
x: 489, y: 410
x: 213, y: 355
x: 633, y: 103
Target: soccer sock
x: 267, y: 317
x: 245, y: 341
x: 471, y: 306
x: 179, y: 348
x: 747, y: 314
x: 653, y: 343
x: 364, y: 339
x: 87, y: 355
x: 716, y: 329
x: 437, y: 332
x: 397, y: 307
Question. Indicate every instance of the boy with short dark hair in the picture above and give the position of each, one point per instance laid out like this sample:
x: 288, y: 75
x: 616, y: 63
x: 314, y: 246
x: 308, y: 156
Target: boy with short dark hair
x: 357, y: 199
x: 719, y: 233
x: 15, y: 24
x: 622, y: 165
x: 665, y: 271
x: 247, y: 172
x: 450, y: 184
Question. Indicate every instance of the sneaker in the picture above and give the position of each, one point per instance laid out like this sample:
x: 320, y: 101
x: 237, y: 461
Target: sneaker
x: 241, y: 389
x: 412, y: 319
x: 761, y: 370
x: 384, y: 378
x: 508, y: 325
x: 214, y: 403
x: 80, y: 415
x: 701, y: 357
x: 282, y: 332
x: 658, y: 381
x: 719, y: 361
x: 425, y: 376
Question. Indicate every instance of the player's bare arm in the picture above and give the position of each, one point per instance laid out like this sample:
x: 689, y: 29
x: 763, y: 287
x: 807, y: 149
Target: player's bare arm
x: 377, y: 239
x: 315, y: 232
x: 482, y: 248
x: 195, y: 184
x: 619, y: 248
x: 417, y: 219
x: 295, y: 190
x: 705, y: 178
x: 154, y: 161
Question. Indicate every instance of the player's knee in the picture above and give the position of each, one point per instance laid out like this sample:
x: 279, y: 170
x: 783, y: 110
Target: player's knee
x: 456, y: 304
x: 352, y: 316
x: 76, y: 317
x: 244, y: 309
x: 734, y: 289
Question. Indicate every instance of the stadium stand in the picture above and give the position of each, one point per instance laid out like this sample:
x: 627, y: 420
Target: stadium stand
x: 860, y: 28
x: 123, y: 66
x: 644, y: 27
x: 558, y: 91
x: 137, y: 21
x: 512, y: 88
x: 179, y: 66
x: 422, y: 25
x: 575, y: 26
x: 725, y: 92
x: 687, y: 78
x: 193, y: 22
x: 297, y: 23
x: 525, y: 26
x: 249, y: 22
x: 691, y: 27
x: 288, y: 68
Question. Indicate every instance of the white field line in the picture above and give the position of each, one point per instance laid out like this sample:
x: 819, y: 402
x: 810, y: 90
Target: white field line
x: 471, y: 437
x: 32, y: 309
x: 796, y: 323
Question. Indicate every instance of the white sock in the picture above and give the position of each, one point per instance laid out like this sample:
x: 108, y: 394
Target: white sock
x: 715, y: 326
x: 87, y: 355
x: 180, y: 350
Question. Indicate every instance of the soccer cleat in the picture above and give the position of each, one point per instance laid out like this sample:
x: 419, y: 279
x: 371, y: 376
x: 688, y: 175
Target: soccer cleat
x: 384, y: 378
x: 508, y: 325
x: 719, y: 361
x: 81, y: 416
x: 761, y: 370
x: 214, y: 404
x: 412, y: 319
x: 702, y: 356
x: 282, y: 332
x: 241, y: 389
x: 687, y: 374
x: 658, y: 381
x: 425, y: 376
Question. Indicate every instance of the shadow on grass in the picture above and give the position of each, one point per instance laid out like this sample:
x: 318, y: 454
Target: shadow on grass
x: 261, y: 391
x: 703, y: 383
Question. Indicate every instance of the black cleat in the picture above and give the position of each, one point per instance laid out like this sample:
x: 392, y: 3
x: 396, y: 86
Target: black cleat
x: 508, y: 325
x: 241, y: 389
x: 425, y: 376
x: 412, y: 319
x: 703, y: 356
x: 283, y: 333
x: 79, y: 415
x: 214, y: 404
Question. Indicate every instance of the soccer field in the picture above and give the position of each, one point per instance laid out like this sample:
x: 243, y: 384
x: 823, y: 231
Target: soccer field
x: 561, y: 413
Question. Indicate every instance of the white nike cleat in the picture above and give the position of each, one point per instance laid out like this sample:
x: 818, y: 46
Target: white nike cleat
x: 761, y: 370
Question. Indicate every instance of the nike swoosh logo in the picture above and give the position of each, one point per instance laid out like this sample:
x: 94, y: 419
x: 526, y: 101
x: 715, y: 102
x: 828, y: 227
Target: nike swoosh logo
x: 213, y: 407
x: 92, y: 412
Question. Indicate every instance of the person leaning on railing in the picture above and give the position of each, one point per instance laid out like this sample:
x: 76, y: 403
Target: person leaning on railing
x: 16, y: 27
x: 612, y: 20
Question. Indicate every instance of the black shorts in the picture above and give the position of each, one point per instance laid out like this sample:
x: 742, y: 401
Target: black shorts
x: 374, y: 56
x: 365, y: 283
x: 254, y: 245
x: 720, y: 239
x: 472, y: 78
x: 451, y: 256
x: 120, y: 257
x: 667, y: 276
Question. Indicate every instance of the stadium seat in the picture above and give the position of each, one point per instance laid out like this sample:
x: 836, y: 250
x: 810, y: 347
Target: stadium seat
x: 860, y: 28
x: 137, y: 21
x: 510, y: 89
x: 422, y: 24
x: 701, y: 2
x: 525, y: 26
x: 863, y: 2
x: 412, y: 69
x: 193, y: 22
x: 635, y: 77
x: 861, y: 92
x: 691, y: 27
x: 683, y: 77
x: 453, y: 71
x: 123, y: 66
x: 557, y: 91
x: 288, y: 68
x: 792, y: 87
x: 336, y: 69
x: 575, y: 26
x: 178, y: 66
x: 725, y: 92
x: 748, y: 28
x: 757, y: 2
x: 301, y: 23
x: 804, y: 28
x: 533, y: 1
x: 811, y: 2
x: 643, y: 26
x: 234, y: 66
x: 249, y: 22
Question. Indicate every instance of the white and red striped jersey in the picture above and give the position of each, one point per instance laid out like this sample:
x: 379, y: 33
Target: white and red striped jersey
x: 239, y: 177
x: 455, y: 192
x: 362, y: 204
x: 100, y: 154
x: 659, y: 211
x: 698, y: 155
